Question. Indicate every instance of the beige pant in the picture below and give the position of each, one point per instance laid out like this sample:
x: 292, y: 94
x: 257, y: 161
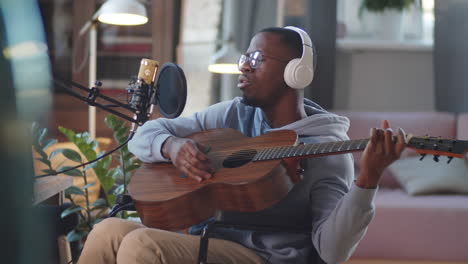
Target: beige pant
x: 121, y: 241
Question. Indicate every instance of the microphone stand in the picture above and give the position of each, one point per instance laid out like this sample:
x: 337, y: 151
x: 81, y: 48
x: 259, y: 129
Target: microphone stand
x: 139, y: 109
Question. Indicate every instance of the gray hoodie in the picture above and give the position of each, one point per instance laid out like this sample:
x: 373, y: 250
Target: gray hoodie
x: 326, y: 202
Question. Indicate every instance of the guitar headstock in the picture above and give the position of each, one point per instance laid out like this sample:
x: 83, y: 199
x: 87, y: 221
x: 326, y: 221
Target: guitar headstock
x: 437, y: 146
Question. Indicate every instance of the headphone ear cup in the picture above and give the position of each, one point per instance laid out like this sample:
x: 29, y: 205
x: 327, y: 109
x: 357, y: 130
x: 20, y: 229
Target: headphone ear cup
x: 297, y: 75
x: 289, y: 73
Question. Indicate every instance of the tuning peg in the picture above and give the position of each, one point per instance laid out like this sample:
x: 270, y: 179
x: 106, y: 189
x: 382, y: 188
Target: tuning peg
x: 436, y: 158
x: 449, y: 160
x: 422, y: 156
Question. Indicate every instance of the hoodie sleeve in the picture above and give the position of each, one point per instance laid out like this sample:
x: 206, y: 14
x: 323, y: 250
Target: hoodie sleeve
x: 340, y: 213
x: 147, y: 142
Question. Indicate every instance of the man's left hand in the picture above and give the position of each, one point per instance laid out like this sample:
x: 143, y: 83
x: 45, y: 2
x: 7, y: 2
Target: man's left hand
x: 380, y: 152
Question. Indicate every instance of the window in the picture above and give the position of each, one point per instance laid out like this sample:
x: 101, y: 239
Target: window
x: 417, y: 22
x: 199, y: 32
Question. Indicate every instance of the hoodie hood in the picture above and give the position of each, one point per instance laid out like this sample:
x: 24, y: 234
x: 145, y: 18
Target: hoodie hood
x: 319, y: 123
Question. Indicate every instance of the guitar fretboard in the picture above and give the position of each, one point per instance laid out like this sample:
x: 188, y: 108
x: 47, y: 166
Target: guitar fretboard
x: 311, y: 149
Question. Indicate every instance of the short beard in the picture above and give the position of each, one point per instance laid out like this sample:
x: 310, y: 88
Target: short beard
x: 249, y: 101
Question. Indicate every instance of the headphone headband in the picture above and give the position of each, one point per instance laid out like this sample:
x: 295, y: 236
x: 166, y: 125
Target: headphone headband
x: 304, y: 36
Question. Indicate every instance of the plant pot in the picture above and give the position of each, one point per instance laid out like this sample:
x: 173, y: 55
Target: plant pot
x: 386, y: 25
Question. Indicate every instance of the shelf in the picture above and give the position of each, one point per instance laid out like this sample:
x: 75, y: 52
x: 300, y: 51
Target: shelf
x: 354, y: 45
x: 123, y: 54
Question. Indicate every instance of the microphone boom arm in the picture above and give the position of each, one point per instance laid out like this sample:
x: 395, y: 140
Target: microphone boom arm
x: 139, y: 116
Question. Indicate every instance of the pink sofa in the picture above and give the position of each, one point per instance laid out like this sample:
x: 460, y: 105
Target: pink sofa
x: 425, y: 227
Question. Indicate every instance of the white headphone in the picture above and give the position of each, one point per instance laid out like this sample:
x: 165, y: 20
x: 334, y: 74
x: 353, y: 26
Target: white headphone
x: 299, y: 72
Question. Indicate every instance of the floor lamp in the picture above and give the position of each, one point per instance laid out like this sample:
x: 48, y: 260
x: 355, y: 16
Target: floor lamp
x: 115, y: 12
x: 224, y: 61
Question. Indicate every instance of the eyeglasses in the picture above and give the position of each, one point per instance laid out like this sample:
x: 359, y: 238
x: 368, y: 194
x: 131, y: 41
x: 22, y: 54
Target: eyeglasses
x: 255, y: 59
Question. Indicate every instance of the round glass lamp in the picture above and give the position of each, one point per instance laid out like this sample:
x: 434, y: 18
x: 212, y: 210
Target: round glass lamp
x: 122, y: 12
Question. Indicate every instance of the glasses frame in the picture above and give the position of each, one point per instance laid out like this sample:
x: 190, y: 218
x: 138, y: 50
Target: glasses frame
x: 251, y: 58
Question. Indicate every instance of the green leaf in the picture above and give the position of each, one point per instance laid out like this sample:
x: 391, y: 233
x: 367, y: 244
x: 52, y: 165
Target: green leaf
x: 97, y: 221
x: 127, y: 155
x: 132, y: 167
x: 42, y: 135
x: 72, y: 155
x: 120, y: 135
x: 43, y: 155
x: 99, y: 208
x: 49, y: 143
x: 38, y: 149
x: 119, y: 190
x: 74, y: 190
x: 74, y: 235
x: 105, y: 178
x: 45, y: 161
x: 34, y: 127
x: 102, y: 214
x: 98, y: 202
x: 106, y: 162
x: 89, y: 185
x: 118, y: 174
x: 71, y: 210
x: 74, y: 172
x: 68, y: 133
x: 112, y: 121
x: 49, y: 171
x: 90, y: 166
x: 82, y: 226
x: 55, y: 152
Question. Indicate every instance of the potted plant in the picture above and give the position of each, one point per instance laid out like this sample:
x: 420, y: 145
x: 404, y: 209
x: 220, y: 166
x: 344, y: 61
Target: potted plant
x: 385, y: 17
x: 113, y: 178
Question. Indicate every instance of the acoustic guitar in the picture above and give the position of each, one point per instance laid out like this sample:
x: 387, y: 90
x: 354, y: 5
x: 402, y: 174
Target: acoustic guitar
x: 251, y: 174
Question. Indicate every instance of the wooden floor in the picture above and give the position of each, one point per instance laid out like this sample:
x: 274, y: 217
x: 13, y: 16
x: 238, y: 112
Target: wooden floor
x: 392, y: 261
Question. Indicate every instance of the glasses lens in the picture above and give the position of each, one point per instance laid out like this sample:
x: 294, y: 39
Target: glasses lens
x: 255, y: 59
x: 241, y: 61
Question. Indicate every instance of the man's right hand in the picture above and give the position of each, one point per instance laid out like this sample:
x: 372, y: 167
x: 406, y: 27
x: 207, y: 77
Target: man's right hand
x: 185, y: 154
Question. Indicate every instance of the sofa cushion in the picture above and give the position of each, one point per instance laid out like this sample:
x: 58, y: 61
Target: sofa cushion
x: 428, y: 176
x: 462, y: 126
x: 432, y: 227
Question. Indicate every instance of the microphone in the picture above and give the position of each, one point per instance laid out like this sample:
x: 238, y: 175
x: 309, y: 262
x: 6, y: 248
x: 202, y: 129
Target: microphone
x: 142, y: 90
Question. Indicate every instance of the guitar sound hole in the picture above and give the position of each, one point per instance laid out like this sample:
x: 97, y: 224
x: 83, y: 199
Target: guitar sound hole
x: 239, y: 158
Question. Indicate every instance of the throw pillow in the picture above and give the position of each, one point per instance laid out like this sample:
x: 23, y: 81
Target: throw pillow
x: 428, y: 177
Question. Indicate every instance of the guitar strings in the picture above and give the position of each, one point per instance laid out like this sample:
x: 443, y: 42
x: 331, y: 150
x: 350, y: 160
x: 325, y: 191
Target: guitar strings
x: 251, y: 153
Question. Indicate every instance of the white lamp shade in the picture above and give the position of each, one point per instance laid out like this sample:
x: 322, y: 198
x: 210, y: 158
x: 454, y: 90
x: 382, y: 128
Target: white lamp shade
x: 225, y: 60
x: 122, y: 12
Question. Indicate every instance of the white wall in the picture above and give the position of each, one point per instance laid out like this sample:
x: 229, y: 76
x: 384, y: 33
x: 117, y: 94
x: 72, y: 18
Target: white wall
x: 384, y: 80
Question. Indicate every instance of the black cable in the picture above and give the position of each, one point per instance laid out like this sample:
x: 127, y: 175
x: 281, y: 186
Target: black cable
x: 89, y: 162
x: 111, y: 105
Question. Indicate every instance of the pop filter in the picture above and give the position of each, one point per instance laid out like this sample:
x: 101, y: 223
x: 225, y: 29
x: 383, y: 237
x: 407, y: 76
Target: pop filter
x: 171, y: 90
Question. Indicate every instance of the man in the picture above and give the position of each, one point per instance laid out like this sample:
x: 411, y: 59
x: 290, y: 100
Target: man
x: 335, y: 208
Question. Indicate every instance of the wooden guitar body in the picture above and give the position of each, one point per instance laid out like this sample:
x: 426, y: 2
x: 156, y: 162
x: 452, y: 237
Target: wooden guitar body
x: 166, y: 199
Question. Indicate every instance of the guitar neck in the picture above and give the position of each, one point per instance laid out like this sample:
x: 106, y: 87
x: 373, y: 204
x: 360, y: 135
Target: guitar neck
x: 317, y: 149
